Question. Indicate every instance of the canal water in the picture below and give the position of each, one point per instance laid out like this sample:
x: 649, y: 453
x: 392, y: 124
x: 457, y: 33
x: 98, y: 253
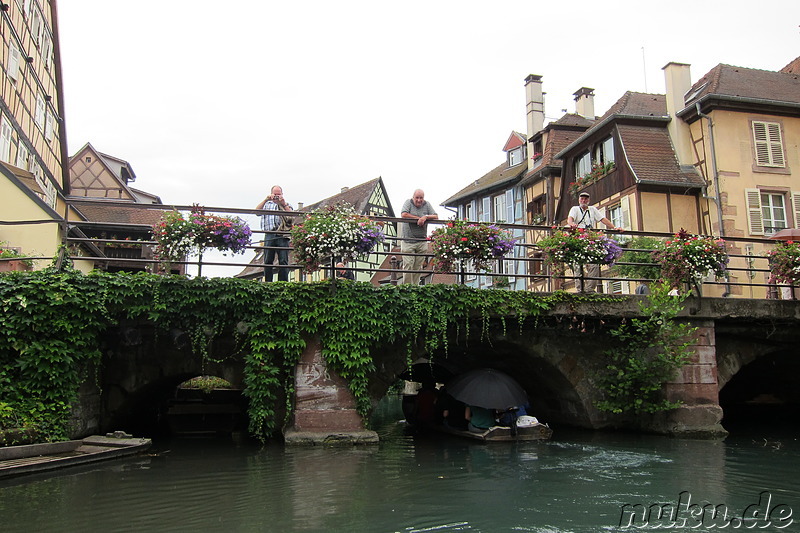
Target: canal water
x: 578, y: 482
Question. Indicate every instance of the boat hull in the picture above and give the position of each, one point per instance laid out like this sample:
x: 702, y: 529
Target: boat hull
x: 33, y: 458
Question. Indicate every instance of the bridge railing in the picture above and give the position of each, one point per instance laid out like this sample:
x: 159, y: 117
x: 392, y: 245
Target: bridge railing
x: 748, y: 269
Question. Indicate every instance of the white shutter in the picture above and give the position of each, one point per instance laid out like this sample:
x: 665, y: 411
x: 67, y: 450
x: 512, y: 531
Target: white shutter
x: 38, y: 117
x: 22, y: 156
x: 768, y: 144
x: 796, y: 205
x: 510, y: 219
x: 754, y: 219
x: 625, y: 205
x: 13, y: 62
x: 5, y: 140
x: 48, y: 126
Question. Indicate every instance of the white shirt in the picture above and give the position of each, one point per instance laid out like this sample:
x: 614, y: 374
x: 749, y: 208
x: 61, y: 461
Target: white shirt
x: 585, y: 219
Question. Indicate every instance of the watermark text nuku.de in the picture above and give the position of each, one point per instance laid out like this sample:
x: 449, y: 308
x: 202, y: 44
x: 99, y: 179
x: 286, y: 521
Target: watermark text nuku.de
x: 685, y: 514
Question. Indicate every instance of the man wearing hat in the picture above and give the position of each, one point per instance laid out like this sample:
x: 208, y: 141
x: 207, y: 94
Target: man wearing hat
x: 587, y: 216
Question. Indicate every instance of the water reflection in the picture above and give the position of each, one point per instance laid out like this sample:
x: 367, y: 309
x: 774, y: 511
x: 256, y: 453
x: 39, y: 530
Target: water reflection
x: 577, y: 482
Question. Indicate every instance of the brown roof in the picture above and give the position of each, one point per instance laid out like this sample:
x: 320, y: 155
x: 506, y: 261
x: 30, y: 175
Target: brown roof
x: 639, y: 105
x: 743, y: 82
x: 495, y: 177
x: 357, y: 196
x: 651, y: 156
x: 97, y: 212
x: 793, y: 67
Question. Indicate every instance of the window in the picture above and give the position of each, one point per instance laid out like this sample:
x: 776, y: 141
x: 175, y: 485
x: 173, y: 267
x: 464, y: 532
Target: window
x: 614, y: 214
x: 499, y: 213
x: 38, y: 117
x: 13, y: 62
x: 604, y: 153
x: 485, y: 213
x: 768, y: 144
x: 773, y: 212
x: 583, y: 165
x: 516, y: 156
x: 5, y: 140
x: 48, y: 126
x: 769, y: 211
x: 22, y: 156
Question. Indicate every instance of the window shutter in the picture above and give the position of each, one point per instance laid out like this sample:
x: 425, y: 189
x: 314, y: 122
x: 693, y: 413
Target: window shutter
x: 625, y: 206
x: 13, y: 62
x: 510, y: 207
x: 768, y: 144
x: 756, y: 223
x: 796, y: 205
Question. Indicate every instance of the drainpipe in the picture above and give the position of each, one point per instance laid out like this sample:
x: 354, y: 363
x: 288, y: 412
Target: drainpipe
x: 715, y: 177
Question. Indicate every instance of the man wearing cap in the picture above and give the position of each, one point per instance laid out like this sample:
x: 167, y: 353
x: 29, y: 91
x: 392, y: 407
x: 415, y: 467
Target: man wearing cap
x: 587, y: 216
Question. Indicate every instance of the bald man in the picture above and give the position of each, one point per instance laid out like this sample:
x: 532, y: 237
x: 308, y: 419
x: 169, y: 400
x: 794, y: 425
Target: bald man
x: 415, y: 236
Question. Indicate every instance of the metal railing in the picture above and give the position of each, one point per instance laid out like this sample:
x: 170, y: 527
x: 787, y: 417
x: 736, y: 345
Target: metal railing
x: 748, y: 269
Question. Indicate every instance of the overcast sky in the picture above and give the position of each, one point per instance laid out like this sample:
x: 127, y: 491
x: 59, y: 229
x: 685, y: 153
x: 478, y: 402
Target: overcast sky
x: 213, y: 102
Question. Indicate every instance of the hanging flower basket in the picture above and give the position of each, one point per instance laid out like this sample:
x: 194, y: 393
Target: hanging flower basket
x: 688, y: 258
x: 333, y: 232
x: 178, y: 236
x: 784, y: 262
x: 460, y: 241
x: 579, y: 246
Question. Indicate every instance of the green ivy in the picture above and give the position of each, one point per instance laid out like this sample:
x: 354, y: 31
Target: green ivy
x: 52, y: 322
x: 649, y: 352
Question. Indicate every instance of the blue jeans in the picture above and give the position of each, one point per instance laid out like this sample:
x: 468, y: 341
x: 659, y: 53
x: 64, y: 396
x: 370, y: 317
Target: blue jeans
x: 276, y: 240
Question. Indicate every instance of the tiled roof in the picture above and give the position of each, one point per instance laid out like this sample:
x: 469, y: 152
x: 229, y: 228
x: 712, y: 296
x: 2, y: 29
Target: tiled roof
x: 748, y: 83
x: 572, y: 119
x: 357, y: 196
x: 793, y: 67
x: 651, y: 156
x: 497, y: 176
x: 638, y: 104
x: 97, y: 212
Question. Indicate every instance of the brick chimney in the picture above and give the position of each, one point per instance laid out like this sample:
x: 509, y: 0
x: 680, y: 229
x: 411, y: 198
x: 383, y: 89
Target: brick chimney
x: 678, y: 80
x: 584, y: 102
x: 534, y: 106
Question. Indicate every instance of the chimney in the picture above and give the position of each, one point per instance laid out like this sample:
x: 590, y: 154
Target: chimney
x: 299, y: 206
x: 535, y: 104
x: 678, y: 80
x: 584, y: 102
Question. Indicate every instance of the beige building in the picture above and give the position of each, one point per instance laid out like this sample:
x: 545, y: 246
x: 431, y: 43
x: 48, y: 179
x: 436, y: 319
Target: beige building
x: 718, y: 157
x: 33, y: 175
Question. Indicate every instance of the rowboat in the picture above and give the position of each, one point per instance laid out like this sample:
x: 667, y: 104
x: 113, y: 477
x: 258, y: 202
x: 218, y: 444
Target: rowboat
x: 535, y: 431
x: 32, y: 458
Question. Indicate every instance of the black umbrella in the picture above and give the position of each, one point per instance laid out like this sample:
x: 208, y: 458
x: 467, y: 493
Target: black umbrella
x: 488, y: 388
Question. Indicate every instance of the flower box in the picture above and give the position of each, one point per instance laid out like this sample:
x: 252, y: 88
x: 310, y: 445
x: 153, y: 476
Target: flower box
x: 462, y: 242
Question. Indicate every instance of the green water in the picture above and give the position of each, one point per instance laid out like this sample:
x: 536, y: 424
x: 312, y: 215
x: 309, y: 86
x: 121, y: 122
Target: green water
x: 578, y: 482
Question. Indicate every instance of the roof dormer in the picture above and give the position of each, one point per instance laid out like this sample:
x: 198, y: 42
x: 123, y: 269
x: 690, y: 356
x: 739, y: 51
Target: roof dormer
x: 515, y: 149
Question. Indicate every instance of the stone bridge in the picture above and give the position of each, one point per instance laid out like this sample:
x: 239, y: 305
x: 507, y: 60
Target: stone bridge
x: 745, y: 355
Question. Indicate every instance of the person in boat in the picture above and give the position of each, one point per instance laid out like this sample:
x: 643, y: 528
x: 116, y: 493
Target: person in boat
x: 479, y: 418
x: 451, y: 411
x: 425, y: 407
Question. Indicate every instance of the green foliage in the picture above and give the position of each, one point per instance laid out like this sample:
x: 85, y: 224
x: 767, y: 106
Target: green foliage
x: 639, y: 250
x: 206, y: 383
x: 649, y: 351
x: 52, y: 322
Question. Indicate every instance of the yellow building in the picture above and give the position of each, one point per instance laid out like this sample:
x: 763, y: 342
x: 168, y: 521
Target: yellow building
x: 33, y: 158
x: 718, y: 157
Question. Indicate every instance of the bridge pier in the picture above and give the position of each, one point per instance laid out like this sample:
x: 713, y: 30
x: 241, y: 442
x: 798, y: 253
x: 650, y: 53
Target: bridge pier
x: 325, y: 409
x: 696, y: 385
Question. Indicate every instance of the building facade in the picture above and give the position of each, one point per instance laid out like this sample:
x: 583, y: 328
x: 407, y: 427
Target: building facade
x: 33, y: 175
